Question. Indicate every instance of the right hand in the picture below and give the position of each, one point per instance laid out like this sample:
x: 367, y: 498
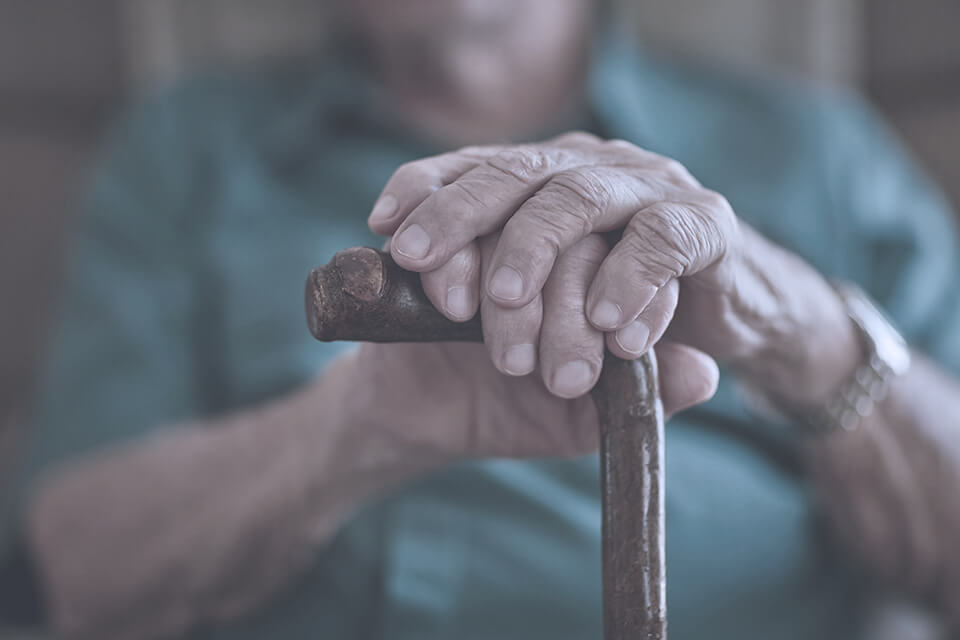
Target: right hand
x: 449, y: 400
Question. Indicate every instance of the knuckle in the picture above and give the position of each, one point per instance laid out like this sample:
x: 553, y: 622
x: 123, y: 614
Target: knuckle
x: 525, y: 163
x: 580, y: 195
x: 471, y: 194
x: 694, y: 234
x: 571, y: 339
x: 625, y: 153
x: 659, y: 239
x: 473, y: 152
x: 651, y: 186
x: 456, y: 203
x: 618, y: 143
x: 673, y: 168
x: 722, y: 225
x: 715, y: 202
x: 577, y: 137
x: 414, y: 172
x: 676, y: 229
x: 678, y: 173
x: 718, y: 215
x: 536, y: 228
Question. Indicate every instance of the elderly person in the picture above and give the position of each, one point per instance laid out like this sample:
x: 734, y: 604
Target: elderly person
x: 198, y: 465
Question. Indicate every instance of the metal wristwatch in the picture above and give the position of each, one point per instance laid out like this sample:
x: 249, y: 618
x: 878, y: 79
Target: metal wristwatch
x: 887, y: 357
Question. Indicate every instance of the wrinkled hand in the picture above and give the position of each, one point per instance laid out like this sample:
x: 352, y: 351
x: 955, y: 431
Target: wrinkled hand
x: 514, y: 231
x: 430, y: 403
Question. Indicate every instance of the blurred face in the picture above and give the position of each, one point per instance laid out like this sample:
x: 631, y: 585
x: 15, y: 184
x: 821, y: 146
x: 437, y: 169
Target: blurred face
x: 483, y: 67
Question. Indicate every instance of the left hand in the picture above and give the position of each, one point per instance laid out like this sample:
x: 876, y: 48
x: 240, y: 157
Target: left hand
x: 546, y: 198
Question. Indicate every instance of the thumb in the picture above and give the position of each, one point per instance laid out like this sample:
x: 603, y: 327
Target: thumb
x: 688, y: 376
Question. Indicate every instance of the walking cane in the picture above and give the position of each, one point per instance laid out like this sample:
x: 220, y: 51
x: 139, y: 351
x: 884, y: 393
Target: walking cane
x: 362, y: 295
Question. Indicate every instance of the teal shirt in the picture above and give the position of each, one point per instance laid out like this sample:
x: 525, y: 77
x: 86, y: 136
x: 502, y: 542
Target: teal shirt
x: 185, y: 300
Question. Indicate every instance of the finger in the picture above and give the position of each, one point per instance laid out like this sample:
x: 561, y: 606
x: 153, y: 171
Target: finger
x: 475, y: 204
x: 510, y: 335
x: 626, y: 154
x: 570, y: 206
x: 661, y: 243
x: 688, y: 377
x: 413, y: 182
x: 571, y: 349
x: 636, y: 338
x: 454, y: 288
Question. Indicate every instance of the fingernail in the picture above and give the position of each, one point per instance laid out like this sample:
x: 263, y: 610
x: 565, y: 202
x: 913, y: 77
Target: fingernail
x: 520, y: 359
x: 634, y: 337
x: 383, y: 209
x: 413, y: 242
x: 458, y: 302
x: 572, y: 379
x: 507, y: 284
x: 606, y: 314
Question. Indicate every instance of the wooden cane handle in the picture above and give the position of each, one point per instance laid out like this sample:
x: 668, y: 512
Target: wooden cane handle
x: 362, y: 295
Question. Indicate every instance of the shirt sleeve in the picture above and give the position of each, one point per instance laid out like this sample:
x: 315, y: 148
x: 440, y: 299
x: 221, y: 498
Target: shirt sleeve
x: 897, y: 232
x: 120, y: 362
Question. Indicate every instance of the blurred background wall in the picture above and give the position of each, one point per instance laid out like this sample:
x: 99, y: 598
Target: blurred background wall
x: 68, y: 66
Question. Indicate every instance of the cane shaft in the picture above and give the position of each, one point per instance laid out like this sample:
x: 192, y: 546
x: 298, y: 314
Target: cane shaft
x: 632, y: 486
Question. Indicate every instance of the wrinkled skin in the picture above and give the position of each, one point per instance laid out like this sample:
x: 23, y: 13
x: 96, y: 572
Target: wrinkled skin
x: 548, y: 199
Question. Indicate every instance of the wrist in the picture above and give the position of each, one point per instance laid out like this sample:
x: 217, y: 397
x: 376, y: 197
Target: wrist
x: 806, y: 346
x: 347, y: 438
x: 886, y: 356
x: 806, y: 370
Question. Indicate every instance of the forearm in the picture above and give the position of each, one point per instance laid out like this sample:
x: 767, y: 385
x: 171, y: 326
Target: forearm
x: 202, y: 523
x: 891, y: 487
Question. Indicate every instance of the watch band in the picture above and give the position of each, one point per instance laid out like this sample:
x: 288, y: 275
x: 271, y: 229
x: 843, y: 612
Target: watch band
x: 855, y: 400
x: 887, y: 357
